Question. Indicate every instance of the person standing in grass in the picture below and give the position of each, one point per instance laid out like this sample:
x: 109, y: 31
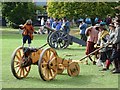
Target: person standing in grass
x: 82, y: 28
x: 65, y: 25
x: 28, y: 31
x: 116, y: 46
x: 103, y: 36
x: 92, y: 34
x: 111, y: 37
x: 55, y: 23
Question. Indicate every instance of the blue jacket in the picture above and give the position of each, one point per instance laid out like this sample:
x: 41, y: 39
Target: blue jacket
x: 58, y: 26
x: 96, y: 20
x: 54, y: 24
x: 83, y: 28
x: 66, y: 27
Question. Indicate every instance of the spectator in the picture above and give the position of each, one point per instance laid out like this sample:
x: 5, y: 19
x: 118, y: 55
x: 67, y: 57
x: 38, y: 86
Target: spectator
x: 66, y: 25
x: 88, y: 21
x: 108, y: 20
x: 48, y: 24
x: 42, y: 25
x: 96, y: 20
x: 59, y: 25
x: 54, y: 24
x: 82, y: 28
x: 42, y: 22
x: 51, y: 21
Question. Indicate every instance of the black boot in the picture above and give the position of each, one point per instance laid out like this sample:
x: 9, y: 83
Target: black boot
x: 119, y: 64
x: 117, y: 69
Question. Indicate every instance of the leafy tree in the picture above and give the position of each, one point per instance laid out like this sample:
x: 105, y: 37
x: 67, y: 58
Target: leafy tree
x: 18, y: 12
x: 40, y: 9
x: 81, y: 9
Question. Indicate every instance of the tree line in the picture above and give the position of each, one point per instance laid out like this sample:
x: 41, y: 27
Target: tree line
x: 82, y: 9
x: 19, y: 12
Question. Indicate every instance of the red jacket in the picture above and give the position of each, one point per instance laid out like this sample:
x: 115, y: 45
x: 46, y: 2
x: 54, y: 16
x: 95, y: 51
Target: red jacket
x: 28, y: 30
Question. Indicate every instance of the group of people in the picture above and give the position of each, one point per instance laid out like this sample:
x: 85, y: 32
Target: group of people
x: 107, y: 38
x: 56, y: 24
x: 84, y: 23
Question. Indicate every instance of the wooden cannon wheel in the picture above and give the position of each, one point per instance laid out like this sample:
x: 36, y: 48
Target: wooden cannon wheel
x: 16, y: 64
x: 47, y: 64
x: 58, y: 40
x: 73, y: 69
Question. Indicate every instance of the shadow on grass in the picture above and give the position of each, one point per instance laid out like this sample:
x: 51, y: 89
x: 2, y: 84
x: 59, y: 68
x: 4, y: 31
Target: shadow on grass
x: 64, y: 79
x: 79, y: 48
x: 74, y: 81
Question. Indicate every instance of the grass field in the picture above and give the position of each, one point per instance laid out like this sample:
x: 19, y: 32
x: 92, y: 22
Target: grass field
x: 89, y: 77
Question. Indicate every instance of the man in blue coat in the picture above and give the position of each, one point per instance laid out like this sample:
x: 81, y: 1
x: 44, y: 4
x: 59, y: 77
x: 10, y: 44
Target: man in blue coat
x: 82, y: 28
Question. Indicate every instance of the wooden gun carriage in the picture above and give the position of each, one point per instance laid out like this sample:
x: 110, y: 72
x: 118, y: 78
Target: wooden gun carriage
x: 49, y: 63
x: 60, y: 39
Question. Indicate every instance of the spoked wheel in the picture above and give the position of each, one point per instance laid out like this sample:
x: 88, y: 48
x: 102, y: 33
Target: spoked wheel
x: 48, y: 37
x: 47, y: 64
x: 59, y: 40
x: 73, y: 69
x: 16, y: 64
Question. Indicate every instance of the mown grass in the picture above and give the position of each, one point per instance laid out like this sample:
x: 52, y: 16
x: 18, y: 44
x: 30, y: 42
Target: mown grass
x: 89, y: 77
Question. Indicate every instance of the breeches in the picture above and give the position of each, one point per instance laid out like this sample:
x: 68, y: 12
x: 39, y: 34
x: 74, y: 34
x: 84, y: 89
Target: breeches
x: 115, y: 55
x: 90, y: 47
x: 25, y: 38
x: 105, y: 55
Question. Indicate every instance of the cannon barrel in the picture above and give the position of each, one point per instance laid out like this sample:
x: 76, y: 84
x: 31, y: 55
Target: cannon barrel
x: 48, y: 28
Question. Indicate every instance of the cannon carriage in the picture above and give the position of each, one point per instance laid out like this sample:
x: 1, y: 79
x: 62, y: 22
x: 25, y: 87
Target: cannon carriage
x: 61, y: 40
x: 48, y: 62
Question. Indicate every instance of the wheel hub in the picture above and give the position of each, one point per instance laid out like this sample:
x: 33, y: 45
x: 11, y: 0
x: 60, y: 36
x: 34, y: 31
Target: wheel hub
x: 52, y: 64
x: 59, y: 40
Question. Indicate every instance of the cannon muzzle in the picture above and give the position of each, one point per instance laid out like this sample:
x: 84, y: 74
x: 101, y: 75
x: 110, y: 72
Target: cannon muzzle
x: 48, y: 28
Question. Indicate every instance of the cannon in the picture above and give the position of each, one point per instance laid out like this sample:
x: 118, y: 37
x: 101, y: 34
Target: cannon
x: 48, y: 62
x: 61, y: 40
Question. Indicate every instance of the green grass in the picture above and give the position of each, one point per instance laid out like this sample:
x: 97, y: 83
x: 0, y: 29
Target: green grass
x: 89, y: 77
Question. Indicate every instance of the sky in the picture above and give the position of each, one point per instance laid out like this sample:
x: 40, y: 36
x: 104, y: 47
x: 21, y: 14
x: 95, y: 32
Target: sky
x: 40, y: 2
